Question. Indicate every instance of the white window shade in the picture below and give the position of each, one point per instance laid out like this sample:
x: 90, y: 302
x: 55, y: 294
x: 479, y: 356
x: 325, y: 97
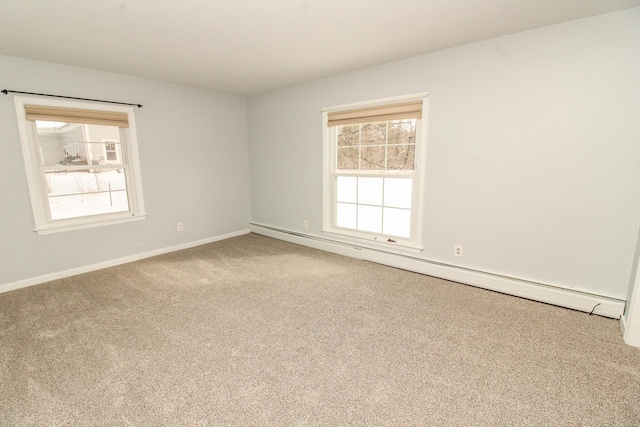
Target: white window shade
x: 411, y: 110
x: 76, y: 115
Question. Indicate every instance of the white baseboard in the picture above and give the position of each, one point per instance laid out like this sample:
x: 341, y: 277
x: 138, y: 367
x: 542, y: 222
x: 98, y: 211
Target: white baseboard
x: 93, y: 267
x: 563, y: 297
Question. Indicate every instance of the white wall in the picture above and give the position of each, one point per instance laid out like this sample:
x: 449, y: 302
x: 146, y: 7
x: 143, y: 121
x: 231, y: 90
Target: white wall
x: 533, y: 152
x: 634, y: 269
x: 194, y: 162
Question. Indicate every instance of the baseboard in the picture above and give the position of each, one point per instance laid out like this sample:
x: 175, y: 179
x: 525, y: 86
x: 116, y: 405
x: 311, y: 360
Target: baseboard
x: 563, y: 297
x: 309, y: 241
x: 93, y: 267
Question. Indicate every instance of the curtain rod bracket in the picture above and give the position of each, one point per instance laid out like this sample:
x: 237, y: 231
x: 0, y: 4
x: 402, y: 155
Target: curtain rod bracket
x: 6, y: 92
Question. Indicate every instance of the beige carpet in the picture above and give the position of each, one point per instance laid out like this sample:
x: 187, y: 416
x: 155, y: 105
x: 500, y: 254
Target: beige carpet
x: 257, y: 332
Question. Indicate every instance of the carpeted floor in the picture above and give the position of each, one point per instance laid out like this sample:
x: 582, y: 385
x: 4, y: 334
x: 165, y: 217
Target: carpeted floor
x: 252, y: 331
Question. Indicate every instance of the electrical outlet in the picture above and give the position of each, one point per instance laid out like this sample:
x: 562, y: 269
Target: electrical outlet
x: 305, y: 224
x: 457, y: 250
x: 180, y: 226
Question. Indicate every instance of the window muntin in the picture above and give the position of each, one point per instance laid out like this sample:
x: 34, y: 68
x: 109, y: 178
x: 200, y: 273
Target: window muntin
x: 81, y: 163
x: 374, y: 171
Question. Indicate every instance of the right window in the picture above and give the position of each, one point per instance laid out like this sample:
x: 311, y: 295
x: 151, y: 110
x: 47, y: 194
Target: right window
x: 374, y: 163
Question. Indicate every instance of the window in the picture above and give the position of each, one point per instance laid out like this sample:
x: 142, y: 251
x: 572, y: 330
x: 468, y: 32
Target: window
x: 374, y: 170
x: 81, y: 162
x: 111, y: 154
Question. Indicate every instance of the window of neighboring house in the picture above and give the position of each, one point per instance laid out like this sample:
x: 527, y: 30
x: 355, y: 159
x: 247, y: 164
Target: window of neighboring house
x: 81, y: 162
x: 110, y: 152
x: 374, y: 170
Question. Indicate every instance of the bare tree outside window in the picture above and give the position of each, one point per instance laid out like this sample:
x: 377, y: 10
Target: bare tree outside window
x: 379, y: 146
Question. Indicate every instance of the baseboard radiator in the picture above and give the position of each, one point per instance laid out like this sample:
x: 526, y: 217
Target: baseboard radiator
x: 550, y: 294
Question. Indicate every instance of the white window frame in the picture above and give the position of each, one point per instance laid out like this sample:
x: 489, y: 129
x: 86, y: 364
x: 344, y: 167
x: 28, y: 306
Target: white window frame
x: 412, y: 244
x: 36, y: 181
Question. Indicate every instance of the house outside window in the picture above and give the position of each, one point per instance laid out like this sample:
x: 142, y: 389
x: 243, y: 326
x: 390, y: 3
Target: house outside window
x: 81, y: 163
x: 375, y: 153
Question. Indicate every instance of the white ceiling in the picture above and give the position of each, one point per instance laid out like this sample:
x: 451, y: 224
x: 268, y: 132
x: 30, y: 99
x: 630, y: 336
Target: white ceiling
x: 250, y: 46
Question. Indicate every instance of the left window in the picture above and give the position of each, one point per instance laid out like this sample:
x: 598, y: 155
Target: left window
x: 81, y: 162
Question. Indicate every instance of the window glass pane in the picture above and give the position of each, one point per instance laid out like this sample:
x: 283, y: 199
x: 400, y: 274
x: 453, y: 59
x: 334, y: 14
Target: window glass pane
x: 402, y: 131
x: 346, y: 215
x: 348, y: 158
x: 80, y: 154
x: 397, y: 222
x: 374, y: 133
x: 79, y: 193
x: 397, y: 192
x: 77, y: 144
x: 347, y: 189
x: 348, y: 135
x: 370, y: 191
x: 401, y: 157
x: 47, y: 127
x: 373, y: 158
x: 370, y: 218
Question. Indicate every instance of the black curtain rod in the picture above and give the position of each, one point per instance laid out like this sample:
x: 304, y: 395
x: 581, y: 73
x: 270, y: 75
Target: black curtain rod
x: 6, y: 92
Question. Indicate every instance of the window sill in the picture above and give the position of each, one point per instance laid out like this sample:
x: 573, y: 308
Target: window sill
x: 81, y: 225
x: 397, y: 246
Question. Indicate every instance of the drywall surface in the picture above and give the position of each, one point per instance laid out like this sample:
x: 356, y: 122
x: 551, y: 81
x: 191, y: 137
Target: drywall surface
x: 631, y: 315
x: 533, y: 151
x: 634, y: 269
x: 193, y: 157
